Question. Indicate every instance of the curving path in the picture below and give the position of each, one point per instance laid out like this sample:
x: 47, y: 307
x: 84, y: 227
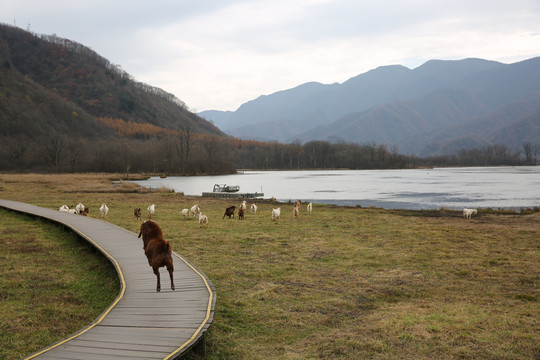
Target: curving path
x: 141, y: 323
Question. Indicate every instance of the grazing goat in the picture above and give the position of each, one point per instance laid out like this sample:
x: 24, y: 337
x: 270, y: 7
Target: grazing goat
x: 203, y: 219
x: 241, y: 214
x: 85, y: 211
x: 309, y: 208
x: 151, y: 210
x: 195, y: 210
x: 276, y: 213
x: 79, y: 208
x: 64, y: 208
x: 185, y: 213
x: 157, y: 250
x: 468, y: 213
x: 229, y: 212
x: 104, y: 210
x: 137, y: 213
x: 254, y: 208
x: 72, y: 211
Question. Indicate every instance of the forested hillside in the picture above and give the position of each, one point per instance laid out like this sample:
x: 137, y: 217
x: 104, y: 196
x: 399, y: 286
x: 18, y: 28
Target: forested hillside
x: 80, y: 76
x: 55, y: 94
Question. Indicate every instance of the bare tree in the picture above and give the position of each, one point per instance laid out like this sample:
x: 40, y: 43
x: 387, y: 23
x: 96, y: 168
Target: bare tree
x: 296, y: 152
x: 211, y: 146
x: 16, y: 148
x: 73, y: 155
x: 531, y: 152
x: 184, y: 145
x: 168, y: 150
x: 53, y: 152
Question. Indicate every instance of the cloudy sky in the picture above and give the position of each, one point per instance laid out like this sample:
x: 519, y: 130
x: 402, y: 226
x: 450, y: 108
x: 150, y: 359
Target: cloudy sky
x: 218, y: 54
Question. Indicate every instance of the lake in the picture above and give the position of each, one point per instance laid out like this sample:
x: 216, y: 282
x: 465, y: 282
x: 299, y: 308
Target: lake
x: 451, y: 188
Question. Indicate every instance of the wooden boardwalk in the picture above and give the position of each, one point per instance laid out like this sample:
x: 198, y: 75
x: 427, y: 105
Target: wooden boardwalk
x: 141, y: 323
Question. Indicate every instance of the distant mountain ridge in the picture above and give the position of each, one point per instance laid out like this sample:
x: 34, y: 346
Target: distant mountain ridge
x: 438, y: 108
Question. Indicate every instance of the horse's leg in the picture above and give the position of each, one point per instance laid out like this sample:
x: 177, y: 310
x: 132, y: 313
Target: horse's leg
x: 156, y: 271
x: 170, y: 269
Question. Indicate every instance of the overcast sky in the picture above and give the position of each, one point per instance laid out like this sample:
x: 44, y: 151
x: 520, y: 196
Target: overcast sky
x: 218, y: 54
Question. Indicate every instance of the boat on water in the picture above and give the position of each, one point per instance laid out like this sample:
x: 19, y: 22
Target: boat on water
x: 230, y: 191
x: 226, y: 188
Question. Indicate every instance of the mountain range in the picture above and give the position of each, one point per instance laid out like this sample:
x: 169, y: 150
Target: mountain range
x: 55, y: 87
x: 438, y: 108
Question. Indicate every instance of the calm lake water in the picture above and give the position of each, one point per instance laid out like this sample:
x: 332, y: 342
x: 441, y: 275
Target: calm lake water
x: 451, y: 188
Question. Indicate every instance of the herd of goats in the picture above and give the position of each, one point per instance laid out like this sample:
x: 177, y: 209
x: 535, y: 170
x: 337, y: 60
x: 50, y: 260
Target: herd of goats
x: 194, y: 211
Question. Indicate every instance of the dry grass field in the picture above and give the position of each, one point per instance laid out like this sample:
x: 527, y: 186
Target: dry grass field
x: 343, y: 283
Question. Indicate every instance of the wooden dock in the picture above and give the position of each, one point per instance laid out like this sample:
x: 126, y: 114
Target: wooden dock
x: 233, y: 195
x: 141, y: 323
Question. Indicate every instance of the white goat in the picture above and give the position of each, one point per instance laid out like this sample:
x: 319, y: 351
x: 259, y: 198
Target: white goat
x: 72, y: 211
x: 185, y: 213
x: 195, y: 209
x: 104, y: 210
x: 254, y: 208
x: 151, y: 210
x: 64, y: 208
x: 468, y: 213
x: 203, y: 219
x: 80, y: 207
x: 243, y: 205
x: 276, y: 213
x: 309, y: 208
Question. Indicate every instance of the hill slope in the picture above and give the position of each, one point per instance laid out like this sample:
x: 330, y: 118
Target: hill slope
x: 50, y: 85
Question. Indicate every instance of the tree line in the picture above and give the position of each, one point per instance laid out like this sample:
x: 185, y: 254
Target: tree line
x: 189, y: 153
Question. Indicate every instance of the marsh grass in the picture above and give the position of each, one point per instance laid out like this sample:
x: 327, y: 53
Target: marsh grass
x: 52, y: 284
x: 346, y: 282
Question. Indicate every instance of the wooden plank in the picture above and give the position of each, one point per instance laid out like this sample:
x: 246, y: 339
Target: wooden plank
x: 141, y: 323
x: 126, y: 335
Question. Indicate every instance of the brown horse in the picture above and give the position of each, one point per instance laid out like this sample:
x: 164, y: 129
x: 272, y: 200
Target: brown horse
x: 157, y: 250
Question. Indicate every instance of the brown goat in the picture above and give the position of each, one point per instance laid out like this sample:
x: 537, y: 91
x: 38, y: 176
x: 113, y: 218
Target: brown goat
x: 229, y: 212
x: 157, y: 250
x: 137, y: 213
x: 296, y: 211
x: 241, y: 214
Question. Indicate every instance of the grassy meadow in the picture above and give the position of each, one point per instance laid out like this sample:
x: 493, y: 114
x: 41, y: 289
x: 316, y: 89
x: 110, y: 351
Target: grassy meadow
x: 52, y: 284
x: 343, y: 283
